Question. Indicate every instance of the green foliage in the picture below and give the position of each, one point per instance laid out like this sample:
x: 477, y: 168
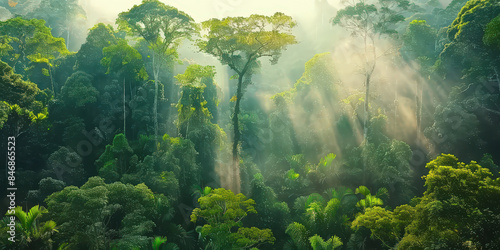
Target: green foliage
x: 385, y: 225
x: 491, y: 34
x: 273, y: 214
x: 223, y: 206
x: 223, y: 211
x: 321, y: 173
x: 370, y: 200
x: 318, y: 71
x: 78, y: 90
x: 4, y: 113
x: 62, y: 16
x: 116, y: 159
x: 46, y: 186
x: 473, y: 62
x: 323, y: 218
x: 195, y: 74
x: 15, y: 90
x: 487, y: 162
x: 462, y: 24
x: 34, y: 49
x: 291, y: 175
x: 239, y: 41
x: 299, y: 234
x: 64, y: 160
x: 179, y: 157
x: 460, y: 198
x: 161, y: 172
x: 90, y: 55
x: 315, y: 94
x: 194, y: 118
x: 30, y: 231
x: 102, y: 35
x: 339, y: 193
x: 162, y: 26
x: 455, y: 125
x: 317, y: 243
x: 419, y: 44
x: 172, y: 170
x: 157, y: 242
x: 327, y: 160
x: 32, y: 43
x: 200, y: 192
x: 363, y: 17
x: 191, y: 110
x: 23, y: 103
x: 5, y: 46
x: 363, y: 190
x: 124, y: 60
x: 380, y: 163
x: 90, y: 215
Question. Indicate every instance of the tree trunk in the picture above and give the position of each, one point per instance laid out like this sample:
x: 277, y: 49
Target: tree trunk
x: 418, y: 104
x: 52, y: 80
x: 187, y: 127
x: 67, y: 38
x: 420, y: 109
x: 367, y: 111
x: 155, y: 102
x: 395, y: 106
x: 124, y: 115
x: 237, y: 134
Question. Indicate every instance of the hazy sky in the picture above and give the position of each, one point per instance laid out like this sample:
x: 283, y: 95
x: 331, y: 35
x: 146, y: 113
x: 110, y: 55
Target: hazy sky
x: 200, y: 10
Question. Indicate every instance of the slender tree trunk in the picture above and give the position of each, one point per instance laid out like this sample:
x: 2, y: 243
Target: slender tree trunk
x: 124, y: 115
x: 169, y: 94
x: 418, y: 104
x: 67, y: 38
x: 367, y: 106
x: 365, y: 122
x: 395, y: 106
x: 365, y: 125
x: 421, y: 107
x: 155, y: 102
x: 52, y: 80
x: 187, y: 127
x: 237, y: 134
x: 370, y: 68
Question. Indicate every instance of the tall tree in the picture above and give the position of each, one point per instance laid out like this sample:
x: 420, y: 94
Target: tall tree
x: 127, y: 63
x: 32, y: 44
x: 419, y: 44
x: 194, y: 116
x: 239, y: 42
x: 491, y: 38
x: 91, y: 52
x: 163, y: 27
x: 63, y: 17
x: 369, y: 20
